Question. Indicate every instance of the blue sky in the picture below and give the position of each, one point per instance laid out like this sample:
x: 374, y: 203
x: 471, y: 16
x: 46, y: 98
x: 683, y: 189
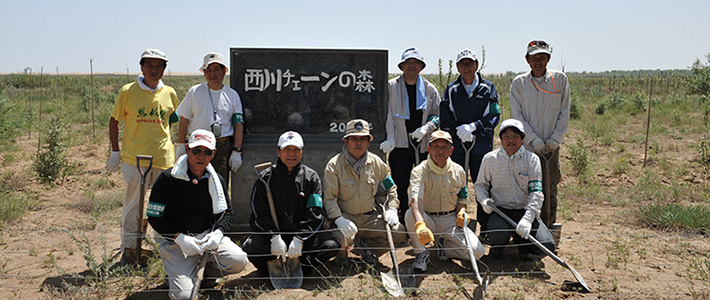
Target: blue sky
x: 586, y: 35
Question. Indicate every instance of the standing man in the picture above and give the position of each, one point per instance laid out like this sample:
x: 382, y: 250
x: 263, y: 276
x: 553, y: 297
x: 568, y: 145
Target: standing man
x: 296, y: 192
x: 190, y: 208
x: 215, y: 107
x: 510, y: 179
x: 412, y: 113
x: 470, y: 113
x: 352, y: 181
x: 541, y: 99
x: 147, y: 108
x: 438, y: 202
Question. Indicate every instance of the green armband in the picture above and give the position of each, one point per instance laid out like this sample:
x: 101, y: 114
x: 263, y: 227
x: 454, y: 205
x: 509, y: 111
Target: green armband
x: 155, y: 209
x: 387, y: 182
x: 534, y: 186
x: 434, y: 119
x: 495, y: 108
x: 174, y: 118
x: 463, y: 193
x: 237, y: 118
x: 314, y: 200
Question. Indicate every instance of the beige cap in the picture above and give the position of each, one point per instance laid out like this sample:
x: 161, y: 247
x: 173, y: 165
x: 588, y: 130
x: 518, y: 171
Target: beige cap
x: 357, y: 127
x: 440, y: 134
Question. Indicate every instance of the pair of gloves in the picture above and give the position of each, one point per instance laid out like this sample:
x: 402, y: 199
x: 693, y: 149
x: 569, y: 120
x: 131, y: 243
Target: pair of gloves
x: 545, y: 147
x: 466, y: 132
x: 424, y: 234
x: 418, y: 134
x: 349, y: 229
x: 190, y: 245
x: 524, y: 225
x: 235, y: 159
x: 278, y: 247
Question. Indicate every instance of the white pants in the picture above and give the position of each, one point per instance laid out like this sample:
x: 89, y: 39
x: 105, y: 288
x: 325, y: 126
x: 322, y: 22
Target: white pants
x: 444, y: 226
x: 129, y: 219
x: 182, y: 271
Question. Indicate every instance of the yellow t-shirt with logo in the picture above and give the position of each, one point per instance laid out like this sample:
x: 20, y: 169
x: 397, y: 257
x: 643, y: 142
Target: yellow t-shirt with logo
x: 146, y: 117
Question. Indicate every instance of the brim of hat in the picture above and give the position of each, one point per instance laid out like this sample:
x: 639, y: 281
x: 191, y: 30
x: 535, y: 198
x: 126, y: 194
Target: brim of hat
x: 511, y: 126
x: 399, y: 65
x: 538, y: 51
x: 358, y: 134
x: 465, y: 57
x: 201, y: 143
x: 441, y: 138
x: 204, y: 66
x: 154, y: 56
x: 290, y: 144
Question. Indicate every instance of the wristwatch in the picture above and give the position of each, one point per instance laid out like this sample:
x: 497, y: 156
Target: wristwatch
x: 237, y: 149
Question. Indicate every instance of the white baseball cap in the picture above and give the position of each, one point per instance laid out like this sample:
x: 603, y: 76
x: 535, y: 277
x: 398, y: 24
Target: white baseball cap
x: 290, y: 138
x: 466, y: 53
x: 213, y: 57
x: 411, y: 53
x: 512, y: 123
x: 538, y: 46
x: 201, y: 137
x: 154, y: 53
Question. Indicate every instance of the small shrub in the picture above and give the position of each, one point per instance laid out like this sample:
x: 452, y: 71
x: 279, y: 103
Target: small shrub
x: 12, y: 207
x: 579, y: 157
x: 574, y: 113
x: 676, y: 216
x: 51, y: 163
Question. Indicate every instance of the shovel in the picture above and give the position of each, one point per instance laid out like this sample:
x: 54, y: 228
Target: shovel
x: 416, y: 149
x: 141, y: 204
x: 392, y: 284
x: 480, y: 291
x: 467, y: 160
x: 284, y: 273
x: 580, y: 281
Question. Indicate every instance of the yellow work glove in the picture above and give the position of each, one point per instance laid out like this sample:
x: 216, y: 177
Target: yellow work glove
x: 423, y: 233
x: 460, y: 218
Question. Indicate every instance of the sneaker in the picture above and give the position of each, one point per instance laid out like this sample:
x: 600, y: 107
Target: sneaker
x: 369, y: 258
x: 421, y: 261
x: 440, y: 253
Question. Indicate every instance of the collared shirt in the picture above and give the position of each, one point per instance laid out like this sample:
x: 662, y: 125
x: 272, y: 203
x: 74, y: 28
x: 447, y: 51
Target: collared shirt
x: 513, y: 182
x: 345, y: 191
x: 543, y: 107
x: 438, y: 192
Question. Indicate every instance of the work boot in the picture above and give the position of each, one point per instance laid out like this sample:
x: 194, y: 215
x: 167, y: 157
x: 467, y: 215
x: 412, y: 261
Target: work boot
x: 440, y: 253
x: 367, y: 256
x: 421, y: 261
x: 341, y: 259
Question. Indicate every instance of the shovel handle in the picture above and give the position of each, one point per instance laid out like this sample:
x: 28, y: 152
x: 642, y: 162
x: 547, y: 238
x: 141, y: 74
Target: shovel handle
x: 416, y: 149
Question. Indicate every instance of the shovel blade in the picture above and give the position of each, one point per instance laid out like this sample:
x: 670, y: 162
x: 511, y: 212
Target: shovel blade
x: 391, y: 284
x: 285, y: 274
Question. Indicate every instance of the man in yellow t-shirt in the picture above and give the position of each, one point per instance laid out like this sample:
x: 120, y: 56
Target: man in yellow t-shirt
x: 147, y: 108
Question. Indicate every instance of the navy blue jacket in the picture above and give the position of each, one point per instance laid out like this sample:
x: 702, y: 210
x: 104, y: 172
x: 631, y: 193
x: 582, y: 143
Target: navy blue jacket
x: 457, y: 108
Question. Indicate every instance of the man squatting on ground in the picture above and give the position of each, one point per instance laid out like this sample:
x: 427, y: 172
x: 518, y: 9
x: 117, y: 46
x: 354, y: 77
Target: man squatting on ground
x: 352, y: 180
x: 215, y: 107
x: 147, y: 108
x: 470, y: 110
x: 190, y: 208
x: 540, y: 99
x: 297, y: 196
x: 413, y: 112
x: 438, y: 203
x: 510, y: 178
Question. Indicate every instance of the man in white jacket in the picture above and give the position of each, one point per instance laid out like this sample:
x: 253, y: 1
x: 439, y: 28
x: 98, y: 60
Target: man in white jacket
x: 412, y: 113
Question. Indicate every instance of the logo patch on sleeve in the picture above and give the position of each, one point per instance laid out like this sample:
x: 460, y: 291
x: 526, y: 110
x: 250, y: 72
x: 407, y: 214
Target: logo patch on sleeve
x: 155, y: 209
x: 314, y: 200
x: 534, y: 186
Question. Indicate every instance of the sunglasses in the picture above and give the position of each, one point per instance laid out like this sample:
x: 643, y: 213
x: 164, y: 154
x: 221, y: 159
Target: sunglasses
x: 538, y: 43
x: 197, y: 151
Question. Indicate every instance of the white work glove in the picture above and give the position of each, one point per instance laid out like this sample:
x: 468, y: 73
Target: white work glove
x: 235, y: 161
x: 294, y: 249
x: 524, y: 225
x: 538, y: 145
x: 391, y: 217
x: 551, y: 145
x: 487, y: 205
x: 211, y: 241
x: 387, y: 146
x: 179, y: 150
x: 419, y: 133
x: 278, y: 246
x: 347, y: 227
x: 188, y: 245
x: 113, y: 161
x: 465, y: 132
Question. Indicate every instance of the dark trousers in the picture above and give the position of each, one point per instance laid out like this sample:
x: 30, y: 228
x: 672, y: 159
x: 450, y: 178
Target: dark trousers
x: 402, y: 162
x: 501, y: 231
x: 220, y: 161
x: 474, y: 164
x: 550, y: 163
x: 322, y: 247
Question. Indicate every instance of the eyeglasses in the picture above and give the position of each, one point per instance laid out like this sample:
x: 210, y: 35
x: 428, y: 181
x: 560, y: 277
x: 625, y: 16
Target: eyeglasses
x: 197, y: 151
x: 538, y: 43
x: 440, y: 148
